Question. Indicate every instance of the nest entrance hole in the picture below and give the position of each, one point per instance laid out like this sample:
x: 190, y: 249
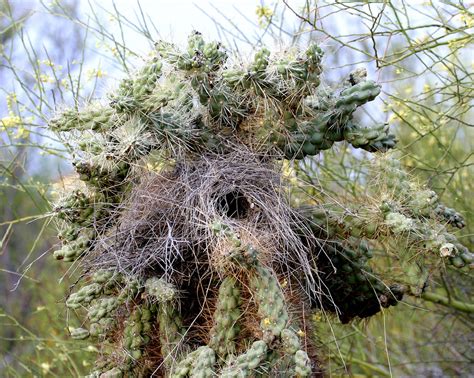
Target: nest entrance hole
x: 233, y: 205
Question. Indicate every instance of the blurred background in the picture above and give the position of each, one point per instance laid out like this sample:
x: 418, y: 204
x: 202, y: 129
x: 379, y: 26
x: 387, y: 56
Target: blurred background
x: 55, y: 54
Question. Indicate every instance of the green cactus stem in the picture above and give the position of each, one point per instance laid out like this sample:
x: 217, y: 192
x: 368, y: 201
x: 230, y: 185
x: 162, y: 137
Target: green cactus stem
x: 245, y: 364
x: 270, y: 301
x: 226, y: 328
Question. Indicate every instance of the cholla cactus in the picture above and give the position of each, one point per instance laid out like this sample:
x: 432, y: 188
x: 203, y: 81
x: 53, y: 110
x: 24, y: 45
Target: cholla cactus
x: 195, y: 263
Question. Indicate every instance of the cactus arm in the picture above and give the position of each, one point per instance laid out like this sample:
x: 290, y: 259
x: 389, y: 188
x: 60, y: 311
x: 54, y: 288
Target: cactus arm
x: 203, y: 363
x: 270, y: 301
x: 226, y: 327
x: 198, y: 363
x: 169, y: 318
x: 244, y: 364
x: 302, y: 364
x: 94, y: 118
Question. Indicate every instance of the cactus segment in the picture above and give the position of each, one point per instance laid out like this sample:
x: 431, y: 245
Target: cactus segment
x: 203, y: 363
x: 450, y: 216
x: 270, y: 301
x: 169, y: 320
x: 101, y: 176
x: 75, y: 249
x: 83, y: 296
x: 79, y: 208
x: 245, y: 364
x: 356, y: 95
x: 290, y: 341
x: 226, y: 329
x: 372, y: 139
x: 302, y: 364
x: 132, y: 92
x: 135, y: 334
x: 92, y: 118
x: 161, y: 290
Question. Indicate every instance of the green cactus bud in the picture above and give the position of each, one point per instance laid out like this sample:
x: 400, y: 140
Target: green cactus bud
x: 195, y: 43
x: 467, y: 257
x: 182, y: 369
x: 75, y: 249
x: 103, y: 276
x: 214, y: 56
x: 135, y: 333
x: 102, y: 308
x: 69, y: 234
x: 102, y: 176
x: 79, y: 208
x: 422, y: 202
x: 133, y: 92
x: 457, y: 262
x: 101, y: 327
x: 235, y: 78
x: 171, y: 330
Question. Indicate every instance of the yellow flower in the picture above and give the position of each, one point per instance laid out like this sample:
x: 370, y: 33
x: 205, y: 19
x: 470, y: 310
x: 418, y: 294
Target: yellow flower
x: 264, y: 15
x: 47, y: 62
x: 95, y: 73
x: 45, y: 78
x: 22, y: 133
x: 467, y: 18
x: 11, y: 99
x: 11, y: 121
x: 65, y: 83
x: 267, y: 321
x: 114, y: 51
x: 317, y: 317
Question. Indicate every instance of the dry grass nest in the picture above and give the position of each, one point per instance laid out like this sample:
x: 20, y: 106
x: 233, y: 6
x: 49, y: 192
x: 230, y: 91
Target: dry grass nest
x: 167, y: 226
